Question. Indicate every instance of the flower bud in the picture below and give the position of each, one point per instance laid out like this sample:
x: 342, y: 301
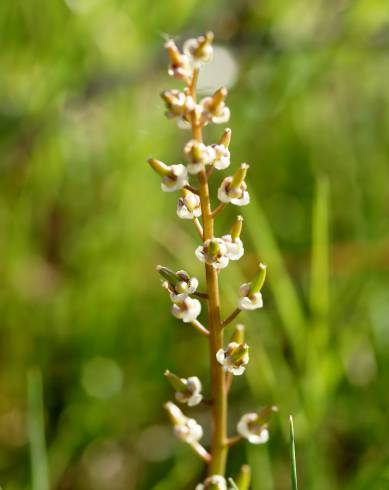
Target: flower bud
x: 167, y: 274
x: 226, y: 138
x: 238, y: 335
x: 236, y: 228
x: 180, y: 66
x: 258, y: 281
x: 177, y: 383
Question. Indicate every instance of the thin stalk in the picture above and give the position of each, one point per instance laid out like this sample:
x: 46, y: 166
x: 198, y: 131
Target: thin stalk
x: 219, y: 209
x: 231, y: 317
x: 199, y: 327
x: 218, y: 387
x: 198, y: 227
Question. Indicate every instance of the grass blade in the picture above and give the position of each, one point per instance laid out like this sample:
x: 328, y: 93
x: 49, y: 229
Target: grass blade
x: 39, y: 467
x: 293, y: 467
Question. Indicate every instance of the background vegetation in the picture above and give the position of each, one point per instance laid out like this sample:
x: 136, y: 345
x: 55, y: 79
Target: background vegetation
x: 83, y: 223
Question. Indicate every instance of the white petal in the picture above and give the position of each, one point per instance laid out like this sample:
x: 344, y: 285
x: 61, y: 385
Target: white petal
x: 220, y: 357
x: 199, y: 252
x: 236, y: 371
x: 242, y: 201
x: 223, y: 117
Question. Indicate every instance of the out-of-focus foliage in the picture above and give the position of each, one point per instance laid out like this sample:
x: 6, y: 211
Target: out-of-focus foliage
x: 83, y: 223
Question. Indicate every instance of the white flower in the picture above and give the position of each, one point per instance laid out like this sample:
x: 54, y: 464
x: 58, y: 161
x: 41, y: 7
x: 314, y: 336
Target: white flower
x: 177, y: 179
x: 180, y: 67
x: 235, y: 195
x: 187, y: 310
x: 179, y: 105
x: 222, y: 157
x: 214, y: 482
x: 192, y: 396
x: 188, y: 205
x: 251, y: 429
x: 216, y: 112
x: 249, y: 301
x: 189, y: 431
x: 235, y: 248
x: 213, y: 252
x: 199, y: 50
x: 186, y: 429
x: 198, y: 156
x: 234, y: 358
x: 185, y: 286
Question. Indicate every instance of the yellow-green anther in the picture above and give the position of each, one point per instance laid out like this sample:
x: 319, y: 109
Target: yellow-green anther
x: 265, y: 413
x: 173, y: 52
x: 239, y: 353
x: 236, y: 228
x: 176, y: 382
x: 161, y: 168
x: 243, y: 480
x: 238, y: 335
x: 168, y: 274
x: 218, y: 97
x: 204, y: 42
x: 258, y: 281
x: 214, y: 248
x: 226, y: 138
x: 239, y: 176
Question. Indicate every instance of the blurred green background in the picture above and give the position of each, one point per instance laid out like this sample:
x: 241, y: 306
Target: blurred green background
x: 83, y: 224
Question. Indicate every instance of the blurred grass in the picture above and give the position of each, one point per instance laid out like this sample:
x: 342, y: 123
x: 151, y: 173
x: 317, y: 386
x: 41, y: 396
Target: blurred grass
x: 83, y: 224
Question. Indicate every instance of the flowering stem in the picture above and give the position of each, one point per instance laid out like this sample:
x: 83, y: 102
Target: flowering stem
x: 199, y: 327
x: 199, y: 228
x: 219, y: 209
x: 231, y: 317
x: 219, y: 450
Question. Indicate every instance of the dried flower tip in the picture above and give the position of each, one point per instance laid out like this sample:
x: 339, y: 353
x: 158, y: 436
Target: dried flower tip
x: 239, y: 334
x: 178, y: 284
x: 249, y: 301
x: 198, y: 156
x: 222, y: 157
x: 179, y: 105
x: 258, y: 282
x: 187, y: 310
x: 251, y: 428
x: 188, y: 205
x: 235, y: 249
x: 236, y: 228
x: 234, y: 189
x: 213, y: 252
x: 199, y: 50
x: 234, y: 358
x: 180, y: 66
x: 186, y: 429
x: 226, y: 138
x: 214, y: 108
x: 214, y: 482
x: 188, y: 390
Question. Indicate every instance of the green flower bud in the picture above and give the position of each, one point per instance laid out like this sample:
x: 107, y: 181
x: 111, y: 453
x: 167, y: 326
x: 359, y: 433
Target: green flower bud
x: 161, y: 168
x: 239, y: 334
x: 236, y: 228
x: 257, y: 283
x: 177, y: 383
x: 226, y: 138
x: 239, y: 176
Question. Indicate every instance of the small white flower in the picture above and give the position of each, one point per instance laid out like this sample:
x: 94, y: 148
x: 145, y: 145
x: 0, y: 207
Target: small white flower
x: 199, y: 50
x: 186, y: 429
x: 222, y: 157
x: 234, y: 358
x: 214, y: 482
x: 238, y: 196
x: 249, y: 301
x: 192, y: 396
x: 188, y: 206
x: 179, y: 105
x: 198, y: 156
x: 251, y: 429
x: 213, y: 252
x: 189, y: 431
x: 176, y: 180
x: 185, y: 286
x: 216, y: 113
x: 180, y: 67
x: 235, y: 248
x: 187, y: 310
